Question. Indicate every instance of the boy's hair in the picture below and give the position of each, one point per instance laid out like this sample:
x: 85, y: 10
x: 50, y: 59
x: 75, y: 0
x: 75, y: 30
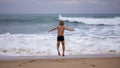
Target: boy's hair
x: 61, y: 22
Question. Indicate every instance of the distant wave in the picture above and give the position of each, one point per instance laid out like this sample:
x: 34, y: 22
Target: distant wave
x: 28, y: 19
x: 91, y: 20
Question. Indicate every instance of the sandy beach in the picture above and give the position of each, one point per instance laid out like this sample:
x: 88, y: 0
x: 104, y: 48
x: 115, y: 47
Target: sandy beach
x: 62, y: 62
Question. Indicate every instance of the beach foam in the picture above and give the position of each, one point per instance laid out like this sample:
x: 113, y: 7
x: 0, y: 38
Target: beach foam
x: 39, y: 44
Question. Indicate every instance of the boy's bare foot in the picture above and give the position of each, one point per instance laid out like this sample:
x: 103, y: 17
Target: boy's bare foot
x: 59, y: 53
x: 63, y: 55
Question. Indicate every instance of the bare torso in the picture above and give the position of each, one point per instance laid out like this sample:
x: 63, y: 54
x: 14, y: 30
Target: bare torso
x: 60, y: 30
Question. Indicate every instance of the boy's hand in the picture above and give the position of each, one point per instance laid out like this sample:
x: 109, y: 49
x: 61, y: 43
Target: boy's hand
x: 48, y: 31
x: 72, y: 30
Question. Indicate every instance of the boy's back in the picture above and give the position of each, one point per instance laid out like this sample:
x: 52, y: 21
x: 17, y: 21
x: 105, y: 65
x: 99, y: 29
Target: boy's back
x: 60, y: 30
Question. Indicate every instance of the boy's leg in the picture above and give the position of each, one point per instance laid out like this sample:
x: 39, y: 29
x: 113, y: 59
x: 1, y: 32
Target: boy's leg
x: 58, y: 45
x: 63, y: 48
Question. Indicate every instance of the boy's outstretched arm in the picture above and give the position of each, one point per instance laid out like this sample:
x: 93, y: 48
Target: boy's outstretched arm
x: 68, y: 29
x: 52, y: 29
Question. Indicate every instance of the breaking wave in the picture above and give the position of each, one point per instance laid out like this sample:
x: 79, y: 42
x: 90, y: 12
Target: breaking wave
x: 91, y: 20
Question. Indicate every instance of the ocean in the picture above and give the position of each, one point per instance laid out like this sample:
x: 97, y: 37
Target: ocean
x: 27, y: 34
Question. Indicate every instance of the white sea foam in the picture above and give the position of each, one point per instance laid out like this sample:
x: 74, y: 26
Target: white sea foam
x: 39, y: 44
x: 90, y: 20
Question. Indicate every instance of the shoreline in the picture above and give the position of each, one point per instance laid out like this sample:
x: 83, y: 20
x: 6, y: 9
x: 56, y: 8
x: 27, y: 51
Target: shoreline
x: 82, y: 56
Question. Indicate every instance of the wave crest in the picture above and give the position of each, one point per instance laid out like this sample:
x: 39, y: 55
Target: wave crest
x: 90, y: 20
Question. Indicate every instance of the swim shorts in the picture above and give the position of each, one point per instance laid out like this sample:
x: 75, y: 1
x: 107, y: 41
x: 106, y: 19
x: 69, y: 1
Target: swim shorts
x: 60, y: 38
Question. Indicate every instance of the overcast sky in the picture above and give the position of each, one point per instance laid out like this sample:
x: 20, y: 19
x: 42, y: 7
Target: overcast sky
x: 59, y: 6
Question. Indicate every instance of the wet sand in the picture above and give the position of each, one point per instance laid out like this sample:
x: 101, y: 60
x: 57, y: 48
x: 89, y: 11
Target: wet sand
x: 62, y: 62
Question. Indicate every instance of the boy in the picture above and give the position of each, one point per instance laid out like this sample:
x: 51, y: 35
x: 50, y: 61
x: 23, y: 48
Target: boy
x: 60, y: 37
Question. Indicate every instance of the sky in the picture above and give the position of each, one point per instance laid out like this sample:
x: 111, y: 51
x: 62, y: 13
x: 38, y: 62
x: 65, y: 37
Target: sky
x: 59, y: 7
